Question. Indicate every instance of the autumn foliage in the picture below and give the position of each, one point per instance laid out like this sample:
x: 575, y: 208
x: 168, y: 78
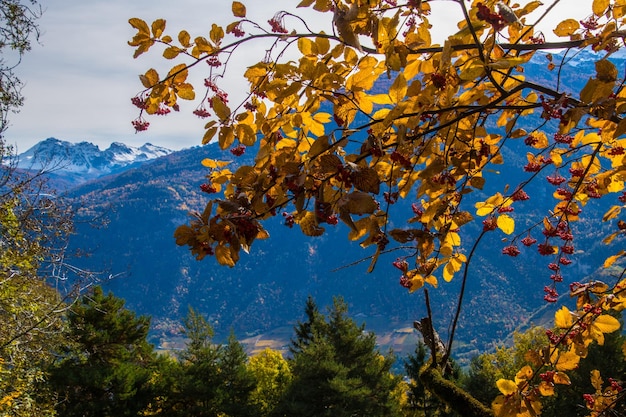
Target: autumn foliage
x: 329, y: 147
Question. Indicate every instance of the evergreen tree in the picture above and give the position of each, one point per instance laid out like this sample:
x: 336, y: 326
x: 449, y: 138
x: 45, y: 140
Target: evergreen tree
x: 107, y: 368
x: 237, y: 382
x: 195, y: 377
x: 208, y: 379
x: 337, y: 370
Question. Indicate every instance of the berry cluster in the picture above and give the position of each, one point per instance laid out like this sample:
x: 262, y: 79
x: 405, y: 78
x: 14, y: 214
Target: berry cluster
x: 238, y: 150
x: 494, y: 19
x: 201, y: 112
x: 140, y: 125
x: 208, y: 188
x: 277, y: 23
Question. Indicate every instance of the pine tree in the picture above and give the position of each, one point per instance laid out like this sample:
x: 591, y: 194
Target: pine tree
x: 195, y: 377
x: 237, y: 382
x: 337, y: 369
x: 106, y: 370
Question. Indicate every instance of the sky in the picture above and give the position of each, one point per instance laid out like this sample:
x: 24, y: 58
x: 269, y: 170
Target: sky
x: 81, y: 75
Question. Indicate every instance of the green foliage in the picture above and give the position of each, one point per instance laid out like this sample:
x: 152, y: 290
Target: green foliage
x: 273, y: 376
x: 107, y: 368
x: 505, y: 362
x: 209, y: 379
x: 32, y: 230
x: 337, y: 370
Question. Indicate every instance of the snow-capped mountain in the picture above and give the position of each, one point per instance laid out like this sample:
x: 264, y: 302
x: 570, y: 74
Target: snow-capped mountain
x: 84, y: 161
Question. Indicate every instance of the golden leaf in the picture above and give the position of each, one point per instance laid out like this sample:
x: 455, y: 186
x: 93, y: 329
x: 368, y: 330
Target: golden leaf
x: 308, y: 224
x: 567, y: 27
x: 216, y: 34
x: 150, y: 78
x: 185, y: 91
x: 606, y: 71
x: 171, y: 52
x: 506, y: 223
x: 208, y: 135
x: 366, y: 179
x: 484, y: 209
x: 596, y: 380
x: 357, y: 202
x: 158, y: 26
x: 567, y: 361
x: 561, y: 378
x: 239, y: 10
x: 213, y: 163
x: 546, y: 388
x: 600, y: 6
x: 184, y: 38
x: 563, y: 318
x: 224, y: 256
x: 612, y: 213
x: 140, y: 25
x: 506, y: 386
x: 606, y: 323
x: 226, y: 137
x: 611, y: 259
x: 398, y: 89
x: 524, y: 374
x: 221, y: 109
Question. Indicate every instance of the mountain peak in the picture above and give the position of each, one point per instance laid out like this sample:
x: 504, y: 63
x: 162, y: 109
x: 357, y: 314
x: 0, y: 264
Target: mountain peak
x: 85, y: 160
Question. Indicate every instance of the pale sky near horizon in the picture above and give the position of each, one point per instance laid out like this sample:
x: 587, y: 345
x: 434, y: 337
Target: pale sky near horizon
x: 80, y: 78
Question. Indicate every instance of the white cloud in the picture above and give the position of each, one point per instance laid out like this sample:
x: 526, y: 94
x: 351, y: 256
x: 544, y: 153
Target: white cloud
x: 80, y: 81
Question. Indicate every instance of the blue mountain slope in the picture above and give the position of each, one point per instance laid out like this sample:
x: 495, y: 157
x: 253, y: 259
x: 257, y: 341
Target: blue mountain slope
x: 267, y: 289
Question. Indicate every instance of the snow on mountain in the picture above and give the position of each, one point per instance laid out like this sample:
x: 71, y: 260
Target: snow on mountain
x: 85, y: 159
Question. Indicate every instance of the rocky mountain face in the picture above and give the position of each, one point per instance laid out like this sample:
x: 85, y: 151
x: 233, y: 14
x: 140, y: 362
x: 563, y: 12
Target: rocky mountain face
x: 79, y: 162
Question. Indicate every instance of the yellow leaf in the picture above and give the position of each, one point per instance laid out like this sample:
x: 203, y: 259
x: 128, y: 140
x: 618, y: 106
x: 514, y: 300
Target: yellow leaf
x: 546, y: 388
x: 524, y: 374
x: 224, y: 256
x: 612, y: 213
x: 308, y: 224
x: 150, y: 78
x: 239, y: 10
x: 606, y: 323
x: 563, y: 318
x: 567, y: 361
x: 221, y: 110
x: 484, y: 209
x: 567, y: 27
x: 216, y: 34
x: 226, y: 137
x: 599, y: 7
x: 432, y: 280
x: 140, y: 25
x: 561, y: 378
x: 596, y: 380
x: 611, y: 259
x: 208, y: 135
x: 185, y: 91
x: 506, y: 223
x: 398, y: 89
x: 506, y: 386
x: 184, y: 38
x: 213, y: 163
x: 171, y: 52
x: 158, y: 26
x: 307, y: 46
